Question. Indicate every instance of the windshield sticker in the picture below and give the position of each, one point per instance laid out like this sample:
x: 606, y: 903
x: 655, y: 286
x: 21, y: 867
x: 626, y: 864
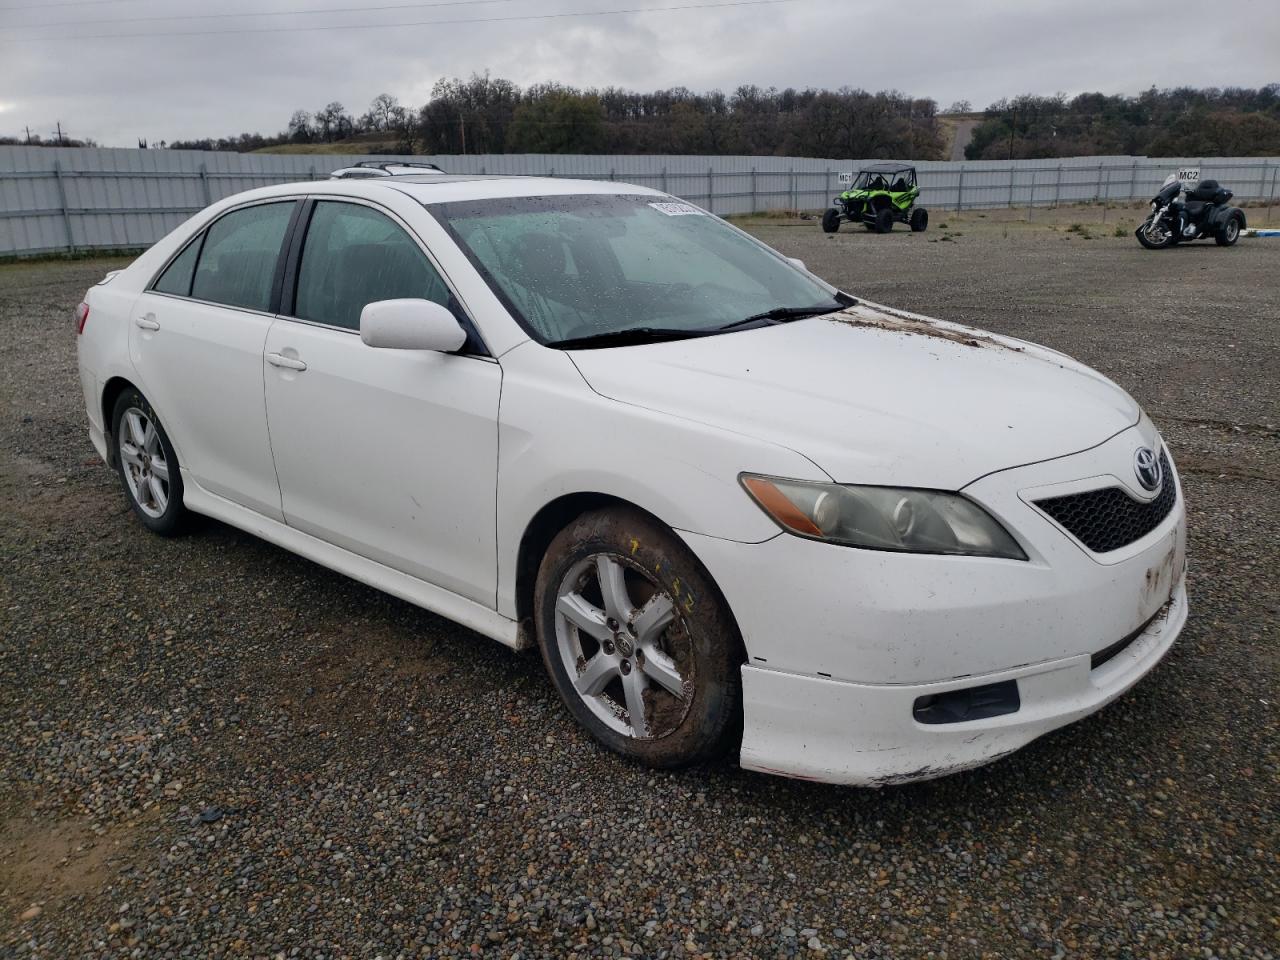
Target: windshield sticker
x: 677, y: 209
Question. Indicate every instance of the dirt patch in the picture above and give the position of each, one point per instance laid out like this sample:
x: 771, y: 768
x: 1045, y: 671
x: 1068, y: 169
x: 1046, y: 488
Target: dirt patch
x: 348, y: 678
x: 44, y: 863
x: 882, y: 318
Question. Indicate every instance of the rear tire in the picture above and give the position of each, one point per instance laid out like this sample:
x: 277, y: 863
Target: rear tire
x: 147, y: 465
x: 830, y: 220
x: 1229, y: 233
x: 884, y: 220
x: 919, y: 220
x: 629, y: 624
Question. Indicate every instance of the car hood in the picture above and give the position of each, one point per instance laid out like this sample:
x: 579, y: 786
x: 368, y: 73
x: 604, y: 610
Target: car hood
x: 875, y: 395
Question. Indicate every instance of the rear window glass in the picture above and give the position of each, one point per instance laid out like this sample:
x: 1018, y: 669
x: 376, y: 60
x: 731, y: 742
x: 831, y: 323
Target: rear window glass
x: 238, y: 261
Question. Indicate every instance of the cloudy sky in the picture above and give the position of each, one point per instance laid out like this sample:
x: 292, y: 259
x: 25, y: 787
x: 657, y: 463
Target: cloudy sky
x: 172, y: 69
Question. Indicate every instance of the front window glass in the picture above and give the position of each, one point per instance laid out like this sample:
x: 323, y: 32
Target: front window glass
x: 354, y: 256
x: 571, y: 267
x: 238, y: 260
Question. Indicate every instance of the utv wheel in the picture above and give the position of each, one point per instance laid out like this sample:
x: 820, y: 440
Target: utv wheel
x: 637, y: 640
x: 147, y: 465
x: 830, y: 220
x: 1229, y: 233
x: 919, y: 220
x: 884, y: 220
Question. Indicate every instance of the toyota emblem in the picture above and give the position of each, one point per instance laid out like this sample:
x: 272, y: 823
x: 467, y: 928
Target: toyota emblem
x: 1147, y: 466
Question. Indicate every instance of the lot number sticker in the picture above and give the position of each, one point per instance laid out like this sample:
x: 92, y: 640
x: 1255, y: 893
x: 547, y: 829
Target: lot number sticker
x: 677, y: 209
x: 1189, y: 175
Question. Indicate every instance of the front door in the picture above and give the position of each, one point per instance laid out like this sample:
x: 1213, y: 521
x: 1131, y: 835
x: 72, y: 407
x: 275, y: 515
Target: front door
x: 391, y: 454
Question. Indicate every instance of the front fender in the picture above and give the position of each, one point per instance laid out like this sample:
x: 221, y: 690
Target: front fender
x: 557, y: 436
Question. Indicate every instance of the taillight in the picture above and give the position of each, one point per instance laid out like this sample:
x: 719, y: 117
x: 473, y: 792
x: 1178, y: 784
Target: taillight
x: 82, y: 314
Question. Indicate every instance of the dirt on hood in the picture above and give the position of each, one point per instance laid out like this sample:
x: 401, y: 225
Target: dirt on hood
x: 894, y: 321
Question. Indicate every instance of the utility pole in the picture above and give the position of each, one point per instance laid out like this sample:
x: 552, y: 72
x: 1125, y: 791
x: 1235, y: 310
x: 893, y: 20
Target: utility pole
x: 28, y: 129
x: 59, y: 133
x: 462, y: 125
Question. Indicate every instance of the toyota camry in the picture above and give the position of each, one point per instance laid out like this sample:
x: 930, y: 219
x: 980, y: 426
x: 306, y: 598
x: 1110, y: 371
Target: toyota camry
x: 735, y: 508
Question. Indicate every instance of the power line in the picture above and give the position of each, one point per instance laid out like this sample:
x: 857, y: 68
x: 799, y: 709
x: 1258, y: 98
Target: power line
x: 416, y: 23
x: 64, y: 3
x: 270, y: 13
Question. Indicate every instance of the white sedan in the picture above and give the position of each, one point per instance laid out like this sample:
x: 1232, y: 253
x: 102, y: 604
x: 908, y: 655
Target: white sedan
x: 734, y: 507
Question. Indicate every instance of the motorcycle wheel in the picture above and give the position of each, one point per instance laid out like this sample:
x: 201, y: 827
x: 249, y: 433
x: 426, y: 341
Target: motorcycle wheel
x: 1160, y: 241
x: 1230, y: 232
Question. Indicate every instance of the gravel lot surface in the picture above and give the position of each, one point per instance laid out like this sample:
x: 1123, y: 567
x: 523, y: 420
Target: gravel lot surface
x: 212, y: 748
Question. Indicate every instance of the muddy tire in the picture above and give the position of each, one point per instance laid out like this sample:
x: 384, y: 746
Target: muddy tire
x: 830, y: 220
x: 638, y: 641
x: 884, y: 220
x: 147, y: 465
x: 919, y: 220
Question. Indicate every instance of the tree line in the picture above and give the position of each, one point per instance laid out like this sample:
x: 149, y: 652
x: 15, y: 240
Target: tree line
x: 491, y: 115
x: 483, y: 114
x: 1183, y: 122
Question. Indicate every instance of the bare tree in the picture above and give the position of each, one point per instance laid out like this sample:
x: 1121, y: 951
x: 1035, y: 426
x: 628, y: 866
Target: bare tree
x: 381, y: 109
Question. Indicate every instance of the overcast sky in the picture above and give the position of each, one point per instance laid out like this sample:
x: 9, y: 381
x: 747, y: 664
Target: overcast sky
x: 211, y: 81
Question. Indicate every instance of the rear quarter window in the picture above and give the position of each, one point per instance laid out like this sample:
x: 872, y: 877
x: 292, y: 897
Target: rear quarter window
x: 177, y: 277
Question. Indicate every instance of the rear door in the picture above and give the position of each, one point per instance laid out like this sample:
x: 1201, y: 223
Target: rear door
x: 196, y: 340
x: 391, y: 454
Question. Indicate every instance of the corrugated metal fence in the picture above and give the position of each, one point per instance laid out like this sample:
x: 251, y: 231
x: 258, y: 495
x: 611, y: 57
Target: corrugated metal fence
x: 60, y: 199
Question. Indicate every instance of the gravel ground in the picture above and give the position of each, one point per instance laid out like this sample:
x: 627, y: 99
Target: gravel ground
x: 212, y: 748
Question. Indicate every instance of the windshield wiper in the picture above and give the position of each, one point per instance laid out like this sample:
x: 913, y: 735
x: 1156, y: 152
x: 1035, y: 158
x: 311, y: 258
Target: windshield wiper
x: 632, y: 335
x: 784, y: 314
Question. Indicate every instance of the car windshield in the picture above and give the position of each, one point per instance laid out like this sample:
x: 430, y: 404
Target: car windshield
x: 598, y: 266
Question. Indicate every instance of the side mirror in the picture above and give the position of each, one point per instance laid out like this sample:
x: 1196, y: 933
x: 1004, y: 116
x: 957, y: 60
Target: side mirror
x: 797, y: 262
x: 411, y: 325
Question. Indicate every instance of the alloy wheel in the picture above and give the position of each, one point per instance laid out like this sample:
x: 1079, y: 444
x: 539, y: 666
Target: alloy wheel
x: 625, y: 646
x: 146, y: 469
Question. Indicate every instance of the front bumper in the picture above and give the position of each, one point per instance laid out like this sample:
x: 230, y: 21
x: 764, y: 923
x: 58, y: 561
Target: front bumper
x: 863, y: 734
x: 841, y: 642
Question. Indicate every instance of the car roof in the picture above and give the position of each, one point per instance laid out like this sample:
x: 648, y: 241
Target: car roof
x: 888, y: 167
x: 429, y: 188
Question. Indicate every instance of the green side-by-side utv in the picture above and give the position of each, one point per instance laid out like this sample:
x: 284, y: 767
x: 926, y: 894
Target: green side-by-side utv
x: 880, y: 195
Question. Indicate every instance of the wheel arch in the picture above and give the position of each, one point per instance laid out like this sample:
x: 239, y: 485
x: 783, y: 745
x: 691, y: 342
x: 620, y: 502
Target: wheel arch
x: 111, y: 391
x: 553, y: 517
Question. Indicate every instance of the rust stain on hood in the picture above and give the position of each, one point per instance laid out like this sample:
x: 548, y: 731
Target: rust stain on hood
x: 896, y: 321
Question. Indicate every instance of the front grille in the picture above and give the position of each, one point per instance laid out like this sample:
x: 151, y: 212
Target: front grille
x: 1108, y: 519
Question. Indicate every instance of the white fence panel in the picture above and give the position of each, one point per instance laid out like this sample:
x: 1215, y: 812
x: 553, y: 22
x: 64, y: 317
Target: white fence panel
x: 66, y: 199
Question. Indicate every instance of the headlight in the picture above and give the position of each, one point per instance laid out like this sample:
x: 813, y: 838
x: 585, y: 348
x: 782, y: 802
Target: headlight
x: 883, y: 518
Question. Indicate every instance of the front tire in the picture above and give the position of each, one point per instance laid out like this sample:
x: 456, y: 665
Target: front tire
x: 1158, y: 239
x: 147, y: 465
x: 637, y: 640
x: 884, y: 220
x: 830, y: 220
x: 1229, y: 232
x: 919, y: 220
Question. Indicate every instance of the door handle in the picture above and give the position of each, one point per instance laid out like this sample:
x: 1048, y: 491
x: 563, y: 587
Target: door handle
x: 148, y: 322
x: 288, y: 363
